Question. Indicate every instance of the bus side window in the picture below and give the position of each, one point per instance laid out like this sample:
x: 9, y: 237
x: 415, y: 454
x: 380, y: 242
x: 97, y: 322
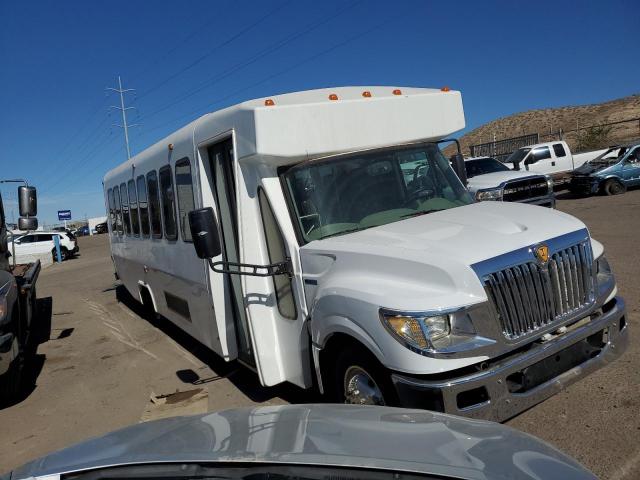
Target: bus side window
x: 184, y: 192
x: 116, y: 191
x: 112, y: 211
x: 142, y: 205
x: 133, y: 208
x: 154, y: 204
x: 168, y: 203
x: 124, y: 198
x: 277, y: 253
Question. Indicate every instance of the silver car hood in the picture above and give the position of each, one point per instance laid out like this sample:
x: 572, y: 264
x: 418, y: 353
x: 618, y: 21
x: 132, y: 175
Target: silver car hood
x: 328, y: 435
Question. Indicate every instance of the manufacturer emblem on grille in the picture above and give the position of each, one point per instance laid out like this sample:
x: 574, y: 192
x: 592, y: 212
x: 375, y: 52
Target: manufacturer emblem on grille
x: 541, y: 252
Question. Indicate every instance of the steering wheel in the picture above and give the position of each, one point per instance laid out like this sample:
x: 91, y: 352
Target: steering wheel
x: 422, y: 192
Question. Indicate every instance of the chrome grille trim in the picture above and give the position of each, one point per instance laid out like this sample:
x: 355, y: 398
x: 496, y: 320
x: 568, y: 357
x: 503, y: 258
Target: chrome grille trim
x: 530, y: 296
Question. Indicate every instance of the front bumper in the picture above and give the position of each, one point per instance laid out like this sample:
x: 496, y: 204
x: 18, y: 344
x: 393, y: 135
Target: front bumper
x: 548, y: 201
x: 491, y: 393
x: 584, y: 185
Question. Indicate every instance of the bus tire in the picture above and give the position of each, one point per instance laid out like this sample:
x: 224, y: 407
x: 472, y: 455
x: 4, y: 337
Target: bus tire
x: 613, y: 187
x: 360, y: 379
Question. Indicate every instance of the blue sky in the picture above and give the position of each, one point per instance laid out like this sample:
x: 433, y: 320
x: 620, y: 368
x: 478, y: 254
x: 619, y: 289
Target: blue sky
x: 187, y: 58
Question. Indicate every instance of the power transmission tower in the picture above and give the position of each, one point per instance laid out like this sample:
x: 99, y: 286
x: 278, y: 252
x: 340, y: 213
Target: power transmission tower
x: 125, y: 126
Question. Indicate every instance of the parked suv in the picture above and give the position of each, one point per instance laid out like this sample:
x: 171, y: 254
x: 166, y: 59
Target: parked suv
x: 35, y: 243
x: 610, y: 173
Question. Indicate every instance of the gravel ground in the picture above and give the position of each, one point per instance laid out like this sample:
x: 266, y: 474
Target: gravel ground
x: 103, y: 362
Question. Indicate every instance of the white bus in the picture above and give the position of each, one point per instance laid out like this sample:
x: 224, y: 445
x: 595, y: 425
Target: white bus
x: 321, y: 238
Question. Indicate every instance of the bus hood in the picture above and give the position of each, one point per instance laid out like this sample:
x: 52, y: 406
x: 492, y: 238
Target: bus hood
x: 467, y: 234
x: 343, y: 436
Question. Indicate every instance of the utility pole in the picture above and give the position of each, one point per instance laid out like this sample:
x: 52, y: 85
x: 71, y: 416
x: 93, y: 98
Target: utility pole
x: 125, y: 126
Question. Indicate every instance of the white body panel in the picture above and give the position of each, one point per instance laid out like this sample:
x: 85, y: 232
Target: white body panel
x: 298, y: 127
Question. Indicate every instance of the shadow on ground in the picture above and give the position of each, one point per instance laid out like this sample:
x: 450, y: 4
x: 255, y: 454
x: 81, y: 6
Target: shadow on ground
x: 242, y: 377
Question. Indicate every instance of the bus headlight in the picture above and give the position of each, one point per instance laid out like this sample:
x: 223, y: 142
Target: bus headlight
x: 484, y: 195
x: 414, y: 329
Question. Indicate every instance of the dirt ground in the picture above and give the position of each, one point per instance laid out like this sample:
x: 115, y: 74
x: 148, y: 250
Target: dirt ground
x: 103, y: 362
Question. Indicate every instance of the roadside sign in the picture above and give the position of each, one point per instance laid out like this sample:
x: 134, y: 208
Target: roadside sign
x: 64, y: 214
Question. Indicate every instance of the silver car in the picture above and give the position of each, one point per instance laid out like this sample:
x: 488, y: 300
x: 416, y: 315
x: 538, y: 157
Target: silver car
x: 310, y: 441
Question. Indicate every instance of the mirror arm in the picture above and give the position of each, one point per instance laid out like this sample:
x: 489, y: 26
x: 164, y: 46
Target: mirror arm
x: 235, y: 268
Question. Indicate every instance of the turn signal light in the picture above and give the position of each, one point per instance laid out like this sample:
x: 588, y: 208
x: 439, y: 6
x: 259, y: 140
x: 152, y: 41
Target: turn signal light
x: 269, y: 103
x: 445, y: 89
x: 333, y: 96
x: 366, y: 94
x: 397, y: 91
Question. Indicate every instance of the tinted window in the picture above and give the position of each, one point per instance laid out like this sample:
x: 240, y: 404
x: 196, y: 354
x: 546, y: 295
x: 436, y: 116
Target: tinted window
x: 168, y: 206
x: 558, y: 149
x: 482, y: 166
x: 112, y: 210
x: 118, y: 212
x: 154, y: 205
x: 26, y: 239
x: 133, y: 208
x: 44, y: 237
x: 277, y: 253
x: 184, y: 192
x: 143, y: 206
x: 124, y: 198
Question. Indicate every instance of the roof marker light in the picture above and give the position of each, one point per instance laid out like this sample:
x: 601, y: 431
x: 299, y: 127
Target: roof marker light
x: 445, y: 89
x: 366, y: 94
x: 333, y: 96
x: 397, y: 91
x: 269, y: 103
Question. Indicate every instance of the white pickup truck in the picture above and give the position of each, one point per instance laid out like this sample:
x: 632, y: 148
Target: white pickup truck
x: 489, y: 179
x: 551, y: 158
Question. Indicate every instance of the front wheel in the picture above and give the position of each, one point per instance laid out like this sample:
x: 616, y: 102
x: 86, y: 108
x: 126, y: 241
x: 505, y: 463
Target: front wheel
x: 360, y: 379
x: 613, y: 187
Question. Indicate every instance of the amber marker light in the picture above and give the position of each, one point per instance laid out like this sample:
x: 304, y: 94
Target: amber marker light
x: 397, y: 91
x: 333, y: 96
x: 445, y: 89
x: 269, y: 103
x: 366, y: 94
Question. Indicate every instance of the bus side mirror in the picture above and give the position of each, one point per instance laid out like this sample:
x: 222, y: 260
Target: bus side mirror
x: 27, y: 201
x: 204, y: 233
x: 27, y: 223
x: 457, y: 162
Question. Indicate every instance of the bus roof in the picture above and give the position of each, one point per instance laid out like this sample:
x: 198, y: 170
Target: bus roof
x: 286, y: 129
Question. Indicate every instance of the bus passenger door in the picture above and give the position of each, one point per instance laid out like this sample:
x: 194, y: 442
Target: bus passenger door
x: 221, y: 158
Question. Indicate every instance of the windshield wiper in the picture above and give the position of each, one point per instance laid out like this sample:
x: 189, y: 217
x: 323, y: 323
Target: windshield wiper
x: 342, y: 232
x: 424, y: 212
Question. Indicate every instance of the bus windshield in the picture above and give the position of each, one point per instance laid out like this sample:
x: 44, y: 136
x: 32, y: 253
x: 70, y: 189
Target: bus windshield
x: 352, y: 192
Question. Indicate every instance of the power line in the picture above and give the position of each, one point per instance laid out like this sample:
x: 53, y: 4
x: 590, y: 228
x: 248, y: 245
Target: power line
x: 214, y: 49
x: 253, y: 59
x: 125, y: 126
x: 351, y: 39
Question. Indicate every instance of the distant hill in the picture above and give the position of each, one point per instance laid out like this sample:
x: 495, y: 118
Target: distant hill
x: 547, y: 123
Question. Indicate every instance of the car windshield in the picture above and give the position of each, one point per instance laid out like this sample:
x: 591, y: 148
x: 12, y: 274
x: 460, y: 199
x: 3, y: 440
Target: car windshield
x: 481, y: 166
x: 352, y: 192
x: 518, y: 155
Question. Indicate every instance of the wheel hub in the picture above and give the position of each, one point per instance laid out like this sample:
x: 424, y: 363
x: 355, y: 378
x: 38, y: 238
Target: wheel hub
x: 360, y: 388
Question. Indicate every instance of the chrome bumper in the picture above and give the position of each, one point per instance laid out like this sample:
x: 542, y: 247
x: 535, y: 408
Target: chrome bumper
x: 499, y: 402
